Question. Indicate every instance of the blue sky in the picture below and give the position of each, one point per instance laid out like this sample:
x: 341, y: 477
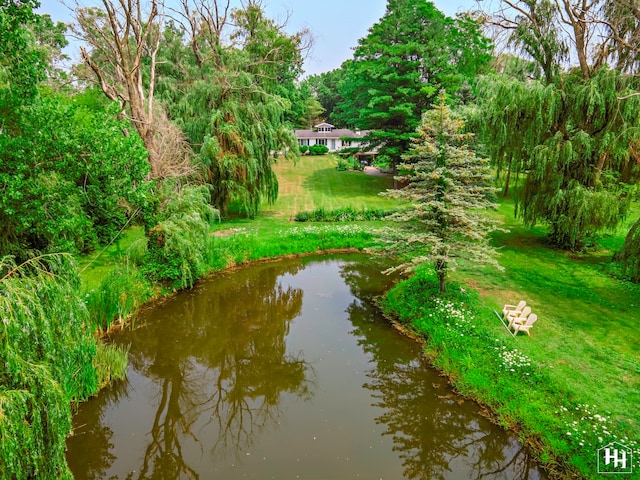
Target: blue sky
x: 336, y: 25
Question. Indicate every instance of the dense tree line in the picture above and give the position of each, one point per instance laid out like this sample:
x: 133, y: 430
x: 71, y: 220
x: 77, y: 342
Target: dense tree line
x: 397, y: 70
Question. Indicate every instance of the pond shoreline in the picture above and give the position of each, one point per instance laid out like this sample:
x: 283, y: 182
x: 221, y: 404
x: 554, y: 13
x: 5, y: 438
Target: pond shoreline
x: 553, y: 467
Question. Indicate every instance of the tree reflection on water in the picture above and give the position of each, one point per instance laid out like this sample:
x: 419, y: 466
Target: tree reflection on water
x: 217, y: 356
x: 210, y: 369
x: 434, y: 430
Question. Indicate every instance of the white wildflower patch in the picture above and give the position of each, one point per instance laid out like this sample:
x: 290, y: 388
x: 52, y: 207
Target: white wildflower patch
x: 457, y: 317
x: 592, y: 430
x: 314, y: 230
x: 513, y: 360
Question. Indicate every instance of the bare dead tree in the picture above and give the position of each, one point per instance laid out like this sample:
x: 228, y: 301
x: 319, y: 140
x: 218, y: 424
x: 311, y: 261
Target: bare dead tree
x: 122, y: 36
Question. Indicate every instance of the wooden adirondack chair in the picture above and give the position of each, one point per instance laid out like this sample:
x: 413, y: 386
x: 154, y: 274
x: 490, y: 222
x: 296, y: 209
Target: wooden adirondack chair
x: 526, y: 326
x: 518, y: 317
x: 513, y: 309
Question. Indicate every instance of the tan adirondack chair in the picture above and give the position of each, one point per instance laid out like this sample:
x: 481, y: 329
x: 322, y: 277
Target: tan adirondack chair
x: 518, y: 317
x: 513, y: 309
x: 526, y: 325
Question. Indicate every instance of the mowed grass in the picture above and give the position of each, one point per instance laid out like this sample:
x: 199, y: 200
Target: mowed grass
x: 305, y: 185
x: 587, y: 335
x: 314, y: 182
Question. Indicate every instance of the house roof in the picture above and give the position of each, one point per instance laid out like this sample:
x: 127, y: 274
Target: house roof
x: 336, y: 133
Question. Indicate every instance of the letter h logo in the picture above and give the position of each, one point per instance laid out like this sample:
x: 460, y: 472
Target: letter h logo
x: 615, y: 458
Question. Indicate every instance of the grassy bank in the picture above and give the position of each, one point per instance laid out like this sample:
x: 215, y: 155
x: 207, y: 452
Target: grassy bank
x: 570, y: 388
x: 115, y: 286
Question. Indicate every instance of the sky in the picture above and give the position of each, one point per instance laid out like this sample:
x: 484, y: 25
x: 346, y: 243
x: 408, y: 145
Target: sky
x: 336, y: 25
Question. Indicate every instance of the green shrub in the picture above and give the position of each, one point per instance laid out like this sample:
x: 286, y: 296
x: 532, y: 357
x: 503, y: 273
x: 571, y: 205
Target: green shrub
x: 118, y: 296
x: 318, y: 149
x: 179, y: 245
x: 383, y: 162
x: 346, y: 214
x: 61, y: 189
x: 304, y: 149
x: 354, y: 164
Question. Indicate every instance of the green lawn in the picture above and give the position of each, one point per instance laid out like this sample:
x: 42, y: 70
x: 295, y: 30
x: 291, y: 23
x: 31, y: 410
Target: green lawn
x: 308, y: 184
x: 587, y: 329
x: 314, y: 182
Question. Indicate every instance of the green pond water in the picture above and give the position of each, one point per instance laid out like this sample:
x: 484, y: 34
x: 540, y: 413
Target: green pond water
x: 284, y: 370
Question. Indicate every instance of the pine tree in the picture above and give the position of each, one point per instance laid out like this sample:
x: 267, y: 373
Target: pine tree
x: 450, y: 189
x: 399, y: 67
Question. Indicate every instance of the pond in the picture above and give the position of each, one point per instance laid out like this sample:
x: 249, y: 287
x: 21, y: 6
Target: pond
x: 284, y: 370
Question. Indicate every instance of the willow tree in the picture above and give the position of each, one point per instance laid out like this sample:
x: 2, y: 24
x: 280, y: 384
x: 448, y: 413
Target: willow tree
x: 450, y: 189
x: 622, y: 21
x: 46, y: 354
x: 570, y: 132
x: 225, y: 73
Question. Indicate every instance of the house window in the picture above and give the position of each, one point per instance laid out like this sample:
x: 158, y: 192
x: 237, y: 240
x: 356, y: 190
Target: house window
x: 303, y: 141
x: 321, y: 141
x: 346, y: 143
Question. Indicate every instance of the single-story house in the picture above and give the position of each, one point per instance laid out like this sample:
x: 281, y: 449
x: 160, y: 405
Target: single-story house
x: 335, y: 139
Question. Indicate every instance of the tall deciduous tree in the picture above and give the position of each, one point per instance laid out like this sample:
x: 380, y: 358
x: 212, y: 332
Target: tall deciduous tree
x: 61, y: 189
x: 228, y: 77
x: 123, y: 37
x: 22, y: 65
x: 571, y: 132
x: 398, y: 68
x: 325, y: 89
x: 450, y: 190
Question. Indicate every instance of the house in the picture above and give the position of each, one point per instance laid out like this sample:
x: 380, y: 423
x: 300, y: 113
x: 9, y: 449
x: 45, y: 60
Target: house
x: 335, y: 139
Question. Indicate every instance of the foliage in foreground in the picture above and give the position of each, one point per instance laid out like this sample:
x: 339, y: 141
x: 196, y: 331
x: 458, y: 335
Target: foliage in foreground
x: 47, y: 353
x: 462, y: 339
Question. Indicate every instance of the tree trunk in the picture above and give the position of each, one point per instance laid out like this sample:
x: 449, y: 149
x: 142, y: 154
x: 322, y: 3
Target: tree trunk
x: 441, y: 278
x: 124, y: 39
x: 629, y: 256
x: 508, y: 179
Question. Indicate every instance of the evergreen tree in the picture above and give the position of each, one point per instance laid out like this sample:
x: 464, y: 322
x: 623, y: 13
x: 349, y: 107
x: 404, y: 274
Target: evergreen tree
x: 398, y: 68
x: 450, y: 189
